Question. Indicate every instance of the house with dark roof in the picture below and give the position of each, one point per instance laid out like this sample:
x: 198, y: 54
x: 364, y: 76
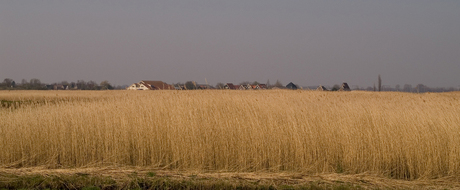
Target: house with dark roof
x: 344, y: 87
x: 230, y: 86
x: 292, y: 86
x: 322, y: 88
x: 150, y: 85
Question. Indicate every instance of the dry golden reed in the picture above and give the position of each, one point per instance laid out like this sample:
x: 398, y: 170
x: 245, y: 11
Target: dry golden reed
x: 399, y: 135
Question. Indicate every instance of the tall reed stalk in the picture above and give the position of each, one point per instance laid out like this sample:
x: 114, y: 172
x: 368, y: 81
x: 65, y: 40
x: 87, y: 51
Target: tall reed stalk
x: 399, y: 135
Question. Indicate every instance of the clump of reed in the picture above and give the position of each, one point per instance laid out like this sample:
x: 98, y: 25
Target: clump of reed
x: 399, y: 135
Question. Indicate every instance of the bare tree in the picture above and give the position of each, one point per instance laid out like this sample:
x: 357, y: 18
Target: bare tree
x: 81, y: 84
x: 220, y: 85
x: 278, y: 84
x: 24, y: 84
x: 335, y: 87
x: 245, y: 83
x: 380, y: 83
x: 407, y: 88
x: 190, y: 85
x: 73, y: 85
x: 8, y: 82
x: 92, y: 85
x: 35, y: 84
x: 105, y: 85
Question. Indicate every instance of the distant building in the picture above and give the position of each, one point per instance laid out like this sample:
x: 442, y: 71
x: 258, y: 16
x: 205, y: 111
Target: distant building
x: 57, y: 87
x: 261, y: 86
x: 292, y: 86
x: 322, y: 88
x: 344, y: 87
x: 151, y: 85
x: 230, y: 86
x: 204, y: 87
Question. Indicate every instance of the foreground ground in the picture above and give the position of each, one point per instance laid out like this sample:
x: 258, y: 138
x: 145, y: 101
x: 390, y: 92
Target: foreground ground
x: 142, y: 178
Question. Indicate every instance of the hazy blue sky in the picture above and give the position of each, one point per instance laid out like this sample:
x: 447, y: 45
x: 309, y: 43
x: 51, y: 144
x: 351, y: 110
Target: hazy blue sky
x: 306, y: 42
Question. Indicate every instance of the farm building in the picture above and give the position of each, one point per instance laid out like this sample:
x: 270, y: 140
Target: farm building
x: 151, y: 85
x: 292, y: 86
x: 231, y: 86
x: 344, y: 87
x: 322, y: 88
x: 261, y: 86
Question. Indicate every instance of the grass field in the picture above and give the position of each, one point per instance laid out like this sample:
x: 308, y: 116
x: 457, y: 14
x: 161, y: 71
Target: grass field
x: 395, y: 135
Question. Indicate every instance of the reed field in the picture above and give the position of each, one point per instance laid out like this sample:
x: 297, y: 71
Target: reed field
x: 397, y: 135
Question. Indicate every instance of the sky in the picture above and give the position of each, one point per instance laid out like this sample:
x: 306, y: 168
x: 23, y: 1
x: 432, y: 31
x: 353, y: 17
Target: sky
x: 309, y: 43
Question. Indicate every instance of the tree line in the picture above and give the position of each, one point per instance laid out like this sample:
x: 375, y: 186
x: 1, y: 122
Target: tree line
x: 36, y: 84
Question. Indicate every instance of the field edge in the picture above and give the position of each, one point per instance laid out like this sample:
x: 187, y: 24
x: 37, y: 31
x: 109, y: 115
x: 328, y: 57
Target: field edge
x: 154, y: 178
